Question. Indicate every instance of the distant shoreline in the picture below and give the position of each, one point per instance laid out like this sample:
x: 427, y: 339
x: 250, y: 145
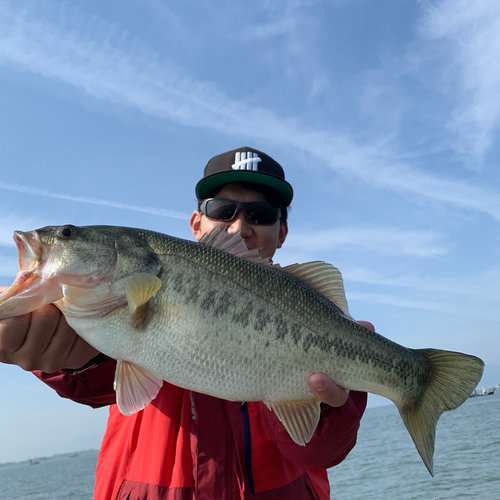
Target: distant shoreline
x: 56, y: 456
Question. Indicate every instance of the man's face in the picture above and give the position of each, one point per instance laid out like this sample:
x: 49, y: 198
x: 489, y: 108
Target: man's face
x: 266, y: 238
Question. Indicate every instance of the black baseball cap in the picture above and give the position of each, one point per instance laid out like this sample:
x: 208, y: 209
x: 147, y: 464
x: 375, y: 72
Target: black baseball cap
x: 244, y: 165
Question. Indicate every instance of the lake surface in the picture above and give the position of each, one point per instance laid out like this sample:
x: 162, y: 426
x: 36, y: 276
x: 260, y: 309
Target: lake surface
x: 384, y: 465
x: 61, y: 477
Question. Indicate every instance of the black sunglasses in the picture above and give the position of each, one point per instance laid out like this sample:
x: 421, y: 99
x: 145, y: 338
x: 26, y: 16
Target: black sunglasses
x: 225, y: 210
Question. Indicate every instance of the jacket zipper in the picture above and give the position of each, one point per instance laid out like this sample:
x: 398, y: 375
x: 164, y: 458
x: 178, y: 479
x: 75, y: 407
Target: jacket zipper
x: 248, y: 446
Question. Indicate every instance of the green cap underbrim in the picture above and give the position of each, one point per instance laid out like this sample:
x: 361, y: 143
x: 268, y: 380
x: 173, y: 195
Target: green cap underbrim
x: 210, y: 184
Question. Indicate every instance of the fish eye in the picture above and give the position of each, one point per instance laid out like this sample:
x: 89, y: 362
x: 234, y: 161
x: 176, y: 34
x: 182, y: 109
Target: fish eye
x: 67, y: 232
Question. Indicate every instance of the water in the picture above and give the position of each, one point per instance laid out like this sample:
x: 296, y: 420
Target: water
x: 57, y: 478
x: 384, y: 465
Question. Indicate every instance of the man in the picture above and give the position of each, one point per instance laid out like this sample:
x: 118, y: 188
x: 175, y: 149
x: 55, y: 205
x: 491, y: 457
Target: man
x: 186, y: 445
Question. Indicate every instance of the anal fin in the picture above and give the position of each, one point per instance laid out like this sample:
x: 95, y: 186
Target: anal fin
x: 300, y: 418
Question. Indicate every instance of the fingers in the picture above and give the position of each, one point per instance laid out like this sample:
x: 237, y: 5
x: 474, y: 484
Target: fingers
x: 13, y: 333
x: 79, y: 354
x: 327, y: 391
x: 64, y: 349
x: 40, y: 327
x: 367, y: 324
x: 42, y: 340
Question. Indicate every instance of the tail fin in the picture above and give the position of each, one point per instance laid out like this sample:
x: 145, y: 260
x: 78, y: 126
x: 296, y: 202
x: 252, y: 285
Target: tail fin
x: 453, y: 378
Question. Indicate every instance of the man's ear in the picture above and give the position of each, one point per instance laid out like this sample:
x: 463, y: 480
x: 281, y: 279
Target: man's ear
x: 282, y: 234
x: 195, y: 223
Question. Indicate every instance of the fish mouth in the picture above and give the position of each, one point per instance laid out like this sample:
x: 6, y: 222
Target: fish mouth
x: 30, y: 290
x: 29, y: 249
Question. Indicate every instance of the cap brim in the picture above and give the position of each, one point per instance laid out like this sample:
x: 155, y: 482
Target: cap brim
x: 209, y: 184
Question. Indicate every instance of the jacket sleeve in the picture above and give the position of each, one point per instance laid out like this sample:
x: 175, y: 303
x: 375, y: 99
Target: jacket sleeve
x: 332, y: 441
x: 90, y: 385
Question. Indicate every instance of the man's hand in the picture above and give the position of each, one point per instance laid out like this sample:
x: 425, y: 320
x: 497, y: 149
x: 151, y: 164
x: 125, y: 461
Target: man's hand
x: 42, y: 340
x: 326, y: 390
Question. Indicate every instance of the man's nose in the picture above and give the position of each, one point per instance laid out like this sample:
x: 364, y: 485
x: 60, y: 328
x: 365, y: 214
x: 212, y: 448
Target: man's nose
x: 239, y: 223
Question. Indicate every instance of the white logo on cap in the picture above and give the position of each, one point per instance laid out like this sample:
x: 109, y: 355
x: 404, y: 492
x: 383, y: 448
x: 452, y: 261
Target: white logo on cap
x: 246, y: 161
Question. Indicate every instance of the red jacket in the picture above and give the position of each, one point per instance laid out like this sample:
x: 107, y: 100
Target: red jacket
x: 186, y: 445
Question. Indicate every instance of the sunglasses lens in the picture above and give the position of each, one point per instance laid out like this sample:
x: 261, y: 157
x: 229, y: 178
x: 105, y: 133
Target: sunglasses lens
x: 220, y: 209
x: 256, y: 212
x: 261, y: 213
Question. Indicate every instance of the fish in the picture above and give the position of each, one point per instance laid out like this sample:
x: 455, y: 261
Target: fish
x: 217, y: 318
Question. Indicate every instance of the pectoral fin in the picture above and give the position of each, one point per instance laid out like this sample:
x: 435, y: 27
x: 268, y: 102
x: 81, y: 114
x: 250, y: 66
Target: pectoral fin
x: 300, y: 418
x: 135, y: 387
x: 139, y: 291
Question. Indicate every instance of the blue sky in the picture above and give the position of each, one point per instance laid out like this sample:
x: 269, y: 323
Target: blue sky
x: 385, y: 116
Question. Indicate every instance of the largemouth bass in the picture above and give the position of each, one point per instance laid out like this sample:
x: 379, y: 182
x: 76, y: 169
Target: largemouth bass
x: 217, y: 318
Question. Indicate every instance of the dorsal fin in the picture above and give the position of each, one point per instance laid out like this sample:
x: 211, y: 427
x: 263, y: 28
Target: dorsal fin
x: 234, y: 244
x: 324, y: 278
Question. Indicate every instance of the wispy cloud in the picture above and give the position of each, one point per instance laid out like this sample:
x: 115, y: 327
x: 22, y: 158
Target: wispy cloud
x: 93, y: 201
x: 297, y: 28
x: 483, y: 286
x: 278, y: 18
x: 98, y: 59
x: 378, y: 164
x: 383, y: 240
x: 394, y: 300
x: 269, y: 30
x: 464, y: 37
x: 11, y: 221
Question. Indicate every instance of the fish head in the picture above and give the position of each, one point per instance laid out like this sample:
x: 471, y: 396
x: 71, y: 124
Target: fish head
x: 70, y: 255
x: 54, y: 261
